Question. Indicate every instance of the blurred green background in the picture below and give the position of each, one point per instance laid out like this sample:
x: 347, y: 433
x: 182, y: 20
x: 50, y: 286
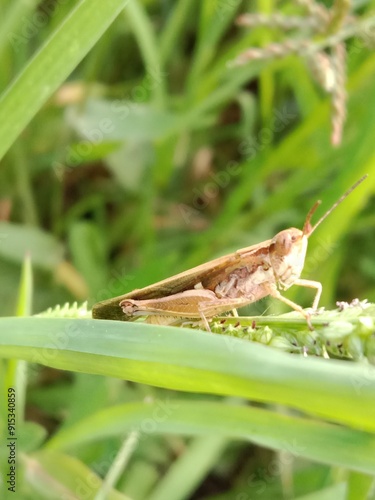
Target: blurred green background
x: 155, y: 156
x: 132, y: 150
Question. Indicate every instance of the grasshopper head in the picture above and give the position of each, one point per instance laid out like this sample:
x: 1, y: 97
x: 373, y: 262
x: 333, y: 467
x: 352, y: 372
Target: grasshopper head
x: 288, y: 251
x: 288, y: 248
x: 287, y: 255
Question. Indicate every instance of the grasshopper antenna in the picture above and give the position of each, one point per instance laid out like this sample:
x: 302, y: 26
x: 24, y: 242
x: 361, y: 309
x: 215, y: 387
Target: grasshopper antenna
x: 308, y: 229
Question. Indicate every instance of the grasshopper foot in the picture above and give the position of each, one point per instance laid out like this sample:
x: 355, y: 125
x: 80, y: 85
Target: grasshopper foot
x: 308, y: 320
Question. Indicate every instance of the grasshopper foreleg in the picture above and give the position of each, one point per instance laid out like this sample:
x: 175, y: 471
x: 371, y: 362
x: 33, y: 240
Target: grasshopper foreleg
x: 312, y: 284
x: 305, y: 283
x: 277, y: 295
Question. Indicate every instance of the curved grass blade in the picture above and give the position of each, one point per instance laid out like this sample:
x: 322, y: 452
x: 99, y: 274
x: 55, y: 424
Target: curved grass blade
x: 315, y: 440
x: 195, y: 361
x: 52, y: 64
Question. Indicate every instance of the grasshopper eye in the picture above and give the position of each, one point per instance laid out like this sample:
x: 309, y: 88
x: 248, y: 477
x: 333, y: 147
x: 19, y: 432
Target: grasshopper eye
x: 284, y: 242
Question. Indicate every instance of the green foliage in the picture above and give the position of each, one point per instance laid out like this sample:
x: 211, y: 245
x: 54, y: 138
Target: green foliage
x: 133, y: 149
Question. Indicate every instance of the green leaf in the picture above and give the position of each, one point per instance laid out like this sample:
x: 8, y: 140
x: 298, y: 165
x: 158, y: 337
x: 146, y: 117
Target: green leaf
x: 87, y: 247
x: 359, y: 486
x: 54, y: 475
x: 30, y: 436
x: 144, y: 33
x: 25, y: 294
x: 16, y: 240
x: 52, y: 64
x: 195, y: 361
x: 337, y: 491
x: 215, y: 18
x: 190, y: 469
x: 123, y: 120
x: 131, y: 163
x: 301, y: 437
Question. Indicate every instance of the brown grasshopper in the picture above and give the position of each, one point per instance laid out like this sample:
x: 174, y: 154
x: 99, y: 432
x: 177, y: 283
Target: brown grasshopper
x: 226, y: 283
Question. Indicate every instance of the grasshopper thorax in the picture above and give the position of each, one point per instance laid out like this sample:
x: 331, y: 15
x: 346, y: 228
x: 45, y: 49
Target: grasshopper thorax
x: 287, y: 255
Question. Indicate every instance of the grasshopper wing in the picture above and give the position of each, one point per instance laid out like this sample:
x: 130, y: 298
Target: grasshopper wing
x: 207, y: 275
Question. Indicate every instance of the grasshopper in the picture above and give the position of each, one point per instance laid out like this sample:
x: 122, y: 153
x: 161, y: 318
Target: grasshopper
x: 226, y: 283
